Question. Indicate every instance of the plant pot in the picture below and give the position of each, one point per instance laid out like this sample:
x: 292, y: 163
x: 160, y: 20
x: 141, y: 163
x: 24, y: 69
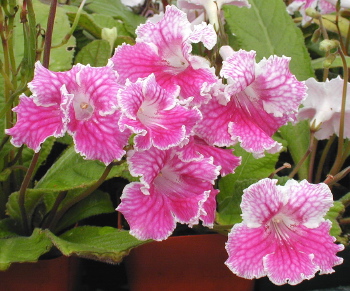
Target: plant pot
x: 183, y: 263
x: 46, y: 275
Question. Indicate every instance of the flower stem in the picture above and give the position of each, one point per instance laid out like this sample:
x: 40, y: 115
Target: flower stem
x: 22, y: 193
x: 48, y: 34
x: 338, y: 160
x: 83, y: 195
x: 323, y: 159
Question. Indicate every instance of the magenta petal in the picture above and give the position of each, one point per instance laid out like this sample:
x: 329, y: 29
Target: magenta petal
x: 262, y: 201
x: 149, y: 216
x: 209, y: 209
x: 99, y: 137
x: 289, y: 265
x: 36, y: 123
x: 246, y: 248
x: 46, y: 84
x: 239, y: 68
x: 308, y: 203
x: 100, y: 84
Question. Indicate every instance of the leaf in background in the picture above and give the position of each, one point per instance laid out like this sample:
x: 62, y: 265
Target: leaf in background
x: 268, y: 29
x: 232, y: 186
x: 229, y: 210
x: 72, y: 171
x: 298, y: 138
x: 96, y: 53
x: 8, y: 228
x: 23, y: 249
x: 333, y: 213
x: 337, y: 63
x: 117, y: 10
x: 33, y: 198
x: 97, y: 203
x: 105, y: 244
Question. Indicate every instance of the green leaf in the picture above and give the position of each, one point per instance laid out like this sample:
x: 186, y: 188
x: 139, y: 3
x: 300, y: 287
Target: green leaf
x: 23, y: 249
x: 8, y: 228
x: 105, y: 244
x: 96, y: 53
x: 232, y: 186
x: 332, y: 214
x: 117, y: 10
x: 32, y: 199
x: 72, y: 171
x: 337, y: 63
x: 97, y: 203
x: 268, y: 29
x: 229, y: 210
x: 298, y: 138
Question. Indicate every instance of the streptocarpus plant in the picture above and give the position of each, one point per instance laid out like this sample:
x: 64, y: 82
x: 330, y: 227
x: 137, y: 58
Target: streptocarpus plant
x: 191, y: 117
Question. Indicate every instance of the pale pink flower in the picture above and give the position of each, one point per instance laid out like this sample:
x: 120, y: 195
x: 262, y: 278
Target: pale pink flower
x: 81, y: 102
x: 323, y: 6
x: 260, y: 98
x: 164, y: 49
x: 283, y: 234
x: 323, y: 105
x: 210, y: 8
x: 170, y: 191
x: 155, y: 115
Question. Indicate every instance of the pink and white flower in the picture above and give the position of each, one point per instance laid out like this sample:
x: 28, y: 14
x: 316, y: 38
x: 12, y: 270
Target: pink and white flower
x: 208, y: 9
x: 260, y: 98
x: 170, y: 191
x: 283, y: 234
x: 81, y: 102
x: 323, y: 105
x: 164, y: 49
x: 324, y: 6
x: 155, y: 115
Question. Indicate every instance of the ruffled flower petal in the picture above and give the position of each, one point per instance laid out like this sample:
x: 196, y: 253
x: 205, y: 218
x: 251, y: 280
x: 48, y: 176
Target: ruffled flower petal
x: 246, y: 248
x: 149, y: 216
x: 276, y: 233
x: 36, y: 123
x: 155, y: 115
x: 99, y: 138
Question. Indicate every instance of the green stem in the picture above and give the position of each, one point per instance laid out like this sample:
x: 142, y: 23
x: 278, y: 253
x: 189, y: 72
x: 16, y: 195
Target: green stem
x: 22, y: 193
x: 83, y: 195
x: 302, y: 160
x: 338, y: 160
x: 323, y: 159
x: 53, y: 211
x: 73, y: 27
x: 312, y: 160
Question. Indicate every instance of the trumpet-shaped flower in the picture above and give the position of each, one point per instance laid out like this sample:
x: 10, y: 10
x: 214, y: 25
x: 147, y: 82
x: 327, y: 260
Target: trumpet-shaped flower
x: 323, y: 105
x: 170, y: 191
x: 164, y: 49
x: 260, y: 99
x: 82, y: 102
x: 283, y: 234
x: 155, y: 115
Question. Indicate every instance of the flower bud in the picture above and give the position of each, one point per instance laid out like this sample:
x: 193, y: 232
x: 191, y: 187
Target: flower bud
x: 329, y: 60
x: 316, y: 35
x: 328, y: 44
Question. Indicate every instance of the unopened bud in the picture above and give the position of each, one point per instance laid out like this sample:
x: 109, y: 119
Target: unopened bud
x: 328, y: 44
x: 312, y: 12
x: 109, y: 34
x: 329, y: 60
x: 316, y: 35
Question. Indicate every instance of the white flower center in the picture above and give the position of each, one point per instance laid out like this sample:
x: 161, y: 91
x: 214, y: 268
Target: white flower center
x: 83, y: 107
